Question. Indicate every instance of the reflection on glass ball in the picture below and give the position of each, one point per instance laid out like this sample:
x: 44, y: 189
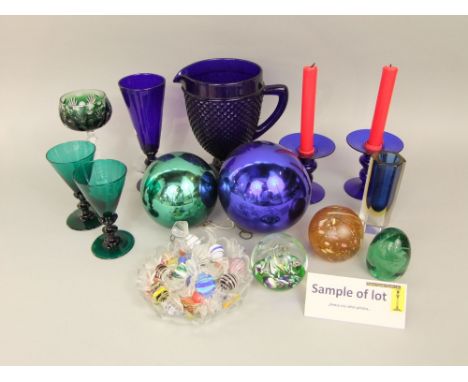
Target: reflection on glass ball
x: 179, y: 186
x: 263, y: 187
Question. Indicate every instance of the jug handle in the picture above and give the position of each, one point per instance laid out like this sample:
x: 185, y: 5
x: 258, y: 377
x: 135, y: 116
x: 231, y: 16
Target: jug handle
x: 282, y: 92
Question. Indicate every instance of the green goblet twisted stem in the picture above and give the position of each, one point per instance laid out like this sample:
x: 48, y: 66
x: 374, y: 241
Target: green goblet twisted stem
x: 102, y: 181
x: 111, y: 240
x: 65, y: 158
x: 84, y: 207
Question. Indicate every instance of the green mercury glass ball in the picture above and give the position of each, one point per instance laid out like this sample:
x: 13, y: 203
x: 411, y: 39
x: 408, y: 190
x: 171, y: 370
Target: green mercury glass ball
x: 179, y: 186
x: 389, y: 254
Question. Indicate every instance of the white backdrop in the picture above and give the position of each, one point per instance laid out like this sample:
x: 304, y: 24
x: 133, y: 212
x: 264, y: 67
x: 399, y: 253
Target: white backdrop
x: 61, y: 305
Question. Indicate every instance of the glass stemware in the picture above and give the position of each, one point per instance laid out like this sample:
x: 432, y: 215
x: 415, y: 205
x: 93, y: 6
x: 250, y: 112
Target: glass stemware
x: 102, y: 181
x: 143, y: 94
x: 85, y: 110
x: 66, y: 158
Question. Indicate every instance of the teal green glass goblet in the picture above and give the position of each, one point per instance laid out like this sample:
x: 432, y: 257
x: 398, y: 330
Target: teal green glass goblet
x: 102, y: 181
x: 66, y: 158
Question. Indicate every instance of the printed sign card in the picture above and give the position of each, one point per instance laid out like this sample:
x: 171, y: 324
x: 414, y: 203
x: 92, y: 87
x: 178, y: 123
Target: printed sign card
x: 356, y: 300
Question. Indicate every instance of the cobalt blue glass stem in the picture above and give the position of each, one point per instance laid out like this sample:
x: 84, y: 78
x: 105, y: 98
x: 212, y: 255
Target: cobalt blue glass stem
x: 318, y: 192
x: 143, y: 94
x: 323, y: 147
x: 364, y: 161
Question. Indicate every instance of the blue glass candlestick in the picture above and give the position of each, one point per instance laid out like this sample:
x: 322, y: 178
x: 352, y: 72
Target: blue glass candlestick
x: 355, y: 187
x: 323, y: 147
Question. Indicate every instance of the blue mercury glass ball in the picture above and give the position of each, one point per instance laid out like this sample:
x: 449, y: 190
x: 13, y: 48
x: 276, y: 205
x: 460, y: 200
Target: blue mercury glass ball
x: 263, y: 187
x: 179, y: 186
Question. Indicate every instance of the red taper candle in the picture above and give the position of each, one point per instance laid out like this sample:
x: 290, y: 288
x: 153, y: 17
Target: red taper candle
x: 387, y: 83
x: 309, y: 90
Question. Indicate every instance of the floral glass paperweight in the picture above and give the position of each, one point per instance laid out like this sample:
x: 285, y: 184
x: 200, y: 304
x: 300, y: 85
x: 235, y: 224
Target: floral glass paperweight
x: 65, y: 158
x: 389, y: 254
x: 102, y: 181
x: 279, y: 261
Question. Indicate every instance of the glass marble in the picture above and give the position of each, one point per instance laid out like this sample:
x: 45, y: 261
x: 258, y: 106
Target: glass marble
x: 189, y: 304
x: 336, y: 233
x: 216, y: 252
x: 160, y: 294
x: 180, y: 272
x: 228, y: 281
x: 205, y: 285
x: 160, y: 272
x: 179, y: 186
x: 389, y: 254
x: 237, y: 266
x: 279, y: 261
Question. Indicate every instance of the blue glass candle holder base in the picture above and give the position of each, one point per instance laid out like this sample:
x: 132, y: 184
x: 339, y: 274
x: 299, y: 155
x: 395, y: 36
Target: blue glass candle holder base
x: 354, y: 187
x: 318, y: 193
x: 323, y: 146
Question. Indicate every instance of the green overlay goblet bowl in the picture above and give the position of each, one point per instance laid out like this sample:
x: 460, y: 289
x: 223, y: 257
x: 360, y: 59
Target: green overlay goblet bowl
x: 65, y: 158
x: 102, y: 181
x: 85, y: 110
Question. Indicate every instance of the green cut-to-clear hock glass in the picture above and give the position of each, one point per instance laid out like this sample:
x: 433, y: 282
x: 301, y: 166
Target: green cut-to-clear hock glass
x: 85, y: 110
x: 389, y: 254
x: 65, y: 158
x: 102, y: 181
